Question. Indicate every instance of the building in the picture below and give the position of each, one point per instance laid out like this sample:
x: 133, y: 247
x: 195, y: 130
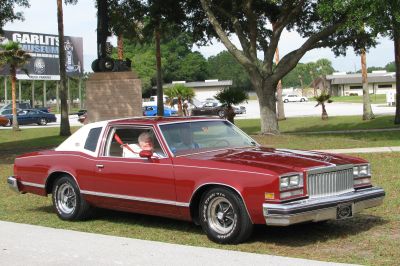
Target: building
x: 203, y: 89
x: 379, y: 82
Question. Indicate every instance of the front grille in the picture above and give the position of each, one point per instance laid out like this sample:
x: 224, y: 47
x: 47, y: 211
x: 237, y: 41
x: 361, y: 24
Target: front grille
x: 330, y: 181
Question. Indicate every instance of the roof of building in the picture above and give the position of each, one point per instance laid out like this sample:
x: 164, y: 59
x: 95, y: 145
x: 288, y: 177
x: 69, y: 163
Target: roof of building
x: 202, y: 84
x: 357, y: 79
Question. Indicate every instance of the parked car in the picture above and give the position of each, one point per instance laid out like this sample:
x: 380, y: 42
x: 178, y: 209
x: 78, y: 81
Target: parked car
x: 152, y: 111
x: 22, y: 106
x: 294, y: 98
x: 214, y: 108
x: 32, y: 116
x: 4, y: 121
x: 202, y: 170
x: 209, y: 108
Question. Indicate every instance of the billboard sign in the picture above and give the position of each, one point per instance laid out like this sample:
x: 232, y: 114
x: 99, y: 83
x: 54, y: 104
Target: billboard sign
x: 43, y: 48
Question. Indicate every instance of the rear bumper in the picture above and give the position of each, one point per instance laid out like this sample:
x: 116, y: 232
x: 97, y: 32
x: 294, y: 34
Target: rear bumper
x: 321, y: 209
x: 13, y: 183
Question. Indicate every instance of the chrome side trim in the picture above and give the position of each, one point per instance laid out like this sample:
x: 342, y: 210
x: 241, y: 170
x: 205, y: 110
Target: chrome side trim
x: 133, y: 198
x: 32, y: 184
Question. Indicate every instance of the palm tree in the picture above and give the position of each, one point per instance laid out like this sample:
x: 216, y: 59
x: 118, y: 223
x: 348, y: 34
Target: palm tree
x: 12, y: 55
x: 180, y: 92
x: 321, y: 100
x: 229, y: 97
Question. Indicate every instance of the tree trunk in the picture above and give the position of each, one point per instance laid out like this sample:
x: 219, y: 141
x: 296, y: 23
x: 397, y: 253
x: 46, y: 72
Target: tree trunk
x: 120, y: 46
x: 230, y: 114
x: 396, y: 37
x: 267, y: 101
x: 160, y: 94
x: 367, y: 110
x: 13, y: 73
x: 281, y: 108
x: 324, y: 112
x: 180, y: 110
x: 64, y: 124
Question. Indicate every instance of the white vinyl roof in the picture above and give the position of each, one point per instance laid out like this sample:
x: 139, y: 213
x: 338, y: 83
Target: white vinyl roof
x: 76, y: 142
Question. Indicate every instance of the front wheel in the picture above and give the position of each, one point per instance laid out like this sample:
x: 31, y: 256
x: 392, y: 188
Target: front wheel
x: 286, y: 101
x: 42, y: 122
x: 68, y: 201
x: 223, y: 217
x: 221, y: 113
x: 9, y: 123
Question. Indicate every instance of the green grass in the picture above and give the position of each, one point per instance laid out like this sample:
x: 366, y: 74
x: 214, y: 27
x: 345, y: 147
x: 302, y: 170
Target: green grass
x: 371, y: 238
x: 375, y: 98
x: 311, y: 124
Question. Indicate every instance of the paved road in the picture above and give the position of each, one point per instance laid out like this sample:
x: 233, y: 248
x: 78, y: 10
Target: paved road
x: 297, y: 109
x: 22, y: 244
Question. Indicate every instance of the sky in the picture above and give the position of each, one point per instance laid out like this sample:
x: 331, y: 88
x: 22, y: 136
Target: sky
x: 80, y: 21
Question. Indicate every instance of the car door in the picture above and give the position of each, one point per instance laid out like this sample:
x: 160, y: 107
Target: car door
x: 133, y: 183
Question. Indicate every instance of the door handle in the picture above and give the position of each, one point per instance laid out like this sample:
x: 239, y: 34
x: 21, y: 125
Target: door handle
x: 100, y: 166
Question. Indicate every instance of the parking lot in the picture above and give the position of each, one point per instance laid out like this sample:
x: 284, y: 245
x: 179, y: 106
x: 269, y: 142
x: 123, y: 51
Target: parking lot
x: 292, y: 109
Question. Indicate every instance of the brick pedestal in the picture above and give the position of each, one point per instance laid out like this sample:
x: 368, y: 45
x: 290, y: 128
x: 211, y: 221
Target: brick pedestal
x: 111, y: 95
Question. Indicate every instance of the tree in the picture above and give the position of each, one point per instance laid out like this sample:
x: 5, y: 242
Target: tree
x: 125, y: 16
x: 7, y: 13
x: 367, y: 110
x: 385, y: 19
x: 224, y: 66
x: 181, y: 92
x: 321, y: 100
x: 161, y: 15
x: 228, y: 97
x: 12, y: 55
x: 65, y: 129
x: 322, y: 23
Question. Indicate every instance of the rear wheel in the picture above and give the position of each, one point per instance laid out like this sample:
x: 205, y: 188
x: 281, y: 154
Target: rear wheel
x: 302, y: 100
x: 221, y: 113
x: 42, y: 121
x: 223, y: 217
x: 286, y: 101
x: 68, y: 201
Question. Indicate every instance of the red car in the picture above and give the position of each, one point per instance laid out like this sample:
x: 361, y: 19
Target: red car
x: 202, y: 170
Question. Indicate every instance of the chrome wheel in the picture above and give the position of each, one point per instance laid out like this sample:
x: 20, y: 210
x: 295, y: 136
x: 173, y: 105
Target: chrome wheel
x: 221, y: 216
x: 66, y: 198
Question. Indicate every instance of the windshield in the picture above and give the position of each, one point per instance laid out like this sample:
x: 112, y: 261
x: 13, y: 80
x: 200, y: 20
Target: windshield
x: 192, y: 137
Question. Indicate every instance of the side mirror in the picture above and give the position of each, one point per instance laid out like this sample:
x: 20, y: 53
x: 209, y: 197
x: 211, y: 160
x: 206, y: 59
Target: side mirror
x: 146, y: 154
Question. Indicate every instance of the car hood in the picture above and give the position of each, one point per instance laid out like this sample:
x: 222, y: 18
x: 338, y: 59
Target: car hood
x: 276, y: 160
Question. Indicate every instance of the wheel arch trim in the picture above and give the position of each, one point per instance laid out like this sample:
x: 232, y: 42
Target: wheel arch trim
x: 49, y: 177
x: 220, y: 185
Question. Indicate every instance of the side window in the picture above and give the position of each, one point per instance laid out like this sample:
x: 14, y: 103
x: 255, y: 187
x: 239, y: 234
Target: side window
x: 124, y: 142
x: 92, y: 139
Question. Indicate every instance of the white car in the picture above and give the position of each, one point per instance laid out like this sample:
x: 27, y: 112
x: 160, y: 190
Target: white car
x: 294, y: 98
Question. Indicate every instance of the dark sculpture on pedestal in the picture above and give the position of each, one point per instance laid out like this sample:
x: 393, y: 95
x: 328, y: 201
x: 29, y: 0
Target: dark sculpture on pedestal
x: 104, y: 62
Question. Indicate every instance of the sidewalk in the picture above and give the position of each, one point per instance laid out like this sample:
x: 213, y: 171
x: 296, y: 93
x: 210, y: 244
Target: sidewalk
x: 22, y: 244
x: 364, y: 150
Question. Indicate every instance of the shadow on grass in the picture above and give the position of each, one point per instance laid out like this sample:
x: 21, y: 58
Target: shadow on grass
x: 292, y: 236
x: 311, y: 233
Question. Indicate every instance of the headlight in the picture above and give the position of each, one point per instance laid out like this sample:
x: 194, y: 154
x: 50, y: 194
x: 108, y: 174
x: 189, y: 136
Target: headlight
x: 291, y: 181
x: 361, y: 170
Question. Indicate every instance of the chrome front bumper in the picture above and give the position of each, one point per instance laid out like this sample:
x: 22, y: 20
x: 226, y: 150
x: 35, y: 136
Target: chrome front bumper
x: 13, y: 184
x: 321, y: 209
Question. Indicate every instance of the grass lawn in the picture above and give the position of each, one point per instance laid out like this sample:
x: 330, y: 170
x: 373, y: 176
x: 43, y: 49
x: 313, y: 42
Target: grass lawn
x: 372, y: 238
x: 375, y: 98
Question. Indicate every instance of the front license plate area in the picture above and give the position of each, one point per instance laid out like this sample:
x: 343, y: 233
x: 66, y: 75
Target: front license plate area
x: 344, y: 211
